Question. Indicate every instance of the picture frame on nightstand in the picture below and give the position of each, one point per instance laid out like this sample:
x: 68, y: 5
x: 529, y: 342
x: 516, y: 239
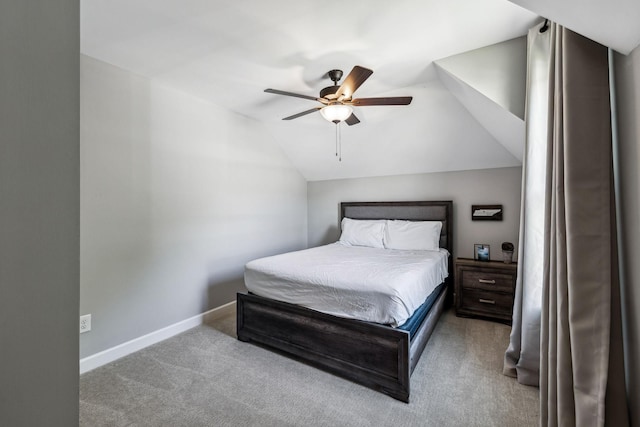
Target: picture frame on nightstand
x: 481, y: 252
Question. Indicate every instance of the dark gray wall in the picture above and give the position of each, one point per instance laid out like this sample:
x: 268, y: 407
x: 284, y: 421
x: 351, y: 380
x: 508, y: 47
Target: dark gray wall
x: 39, y: 212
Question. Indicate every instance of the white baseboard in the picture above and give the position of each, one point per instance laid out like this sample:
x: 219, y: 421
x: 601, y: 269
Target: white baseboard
x: 107, y: 356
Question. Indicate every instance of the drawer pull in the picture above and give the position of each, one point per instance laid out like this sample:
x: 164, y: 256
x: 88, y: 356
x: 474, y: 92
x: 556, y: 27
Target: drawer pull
x: 491, y: 282
x: 486, y: 301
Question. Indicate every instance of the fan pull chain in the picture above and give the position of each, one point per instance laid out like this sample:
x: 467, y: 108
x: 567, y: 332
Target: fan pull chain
x: 337, y: 139
x: 338, y: 142
x: 340, y: 145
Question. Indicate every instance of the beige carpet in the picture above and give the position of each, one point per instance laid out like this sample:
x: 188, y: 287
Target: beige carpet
x: 205, y: 377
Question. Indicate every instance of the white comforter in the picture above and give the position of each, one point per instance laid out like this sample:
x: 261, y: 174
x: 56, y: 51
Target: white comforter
x: 376, y: 285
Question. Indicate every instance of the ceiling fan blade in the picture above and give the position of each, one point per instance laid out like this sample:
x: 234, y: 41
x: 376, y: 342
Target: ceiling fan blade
x: 304, y: 113
x: 352, y: 120
x: 392, y: 100
x: 356, y: 77
x: 297, y: 95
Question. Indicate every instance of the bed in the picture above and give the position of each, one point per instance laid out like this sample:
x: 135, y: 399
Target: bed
x: 372, y: 354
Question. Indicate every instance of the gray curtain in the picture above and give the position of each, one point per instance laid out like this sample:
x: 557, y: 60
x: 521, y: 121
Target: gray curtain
x: 522, y: 358
x: 581, y: 373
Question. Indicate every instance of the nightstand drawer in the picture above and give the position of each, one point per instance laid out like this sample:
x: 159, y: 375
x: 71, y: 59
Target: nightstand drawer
x: 489, y: 303
x: 489, y: 281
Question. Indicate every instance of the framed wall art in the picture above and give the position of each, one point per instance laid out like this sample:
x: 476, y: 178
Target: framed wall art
x: 486, y: 212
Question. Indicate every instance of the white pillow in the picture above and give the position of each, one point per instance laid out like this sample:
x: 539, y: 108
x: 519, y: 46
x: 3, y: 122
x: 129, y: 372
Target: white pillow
x: 363, y: 232
x: 413, y: 235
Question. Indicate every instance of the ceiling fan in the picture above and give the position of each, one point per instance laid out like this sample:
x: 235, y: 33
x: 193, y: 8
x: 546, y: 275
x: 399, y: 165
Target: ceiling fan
x: 338, y: 101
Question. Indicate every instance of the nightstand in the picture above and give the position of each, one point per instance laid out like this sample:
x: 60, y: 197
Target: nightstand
x: 485, y: 289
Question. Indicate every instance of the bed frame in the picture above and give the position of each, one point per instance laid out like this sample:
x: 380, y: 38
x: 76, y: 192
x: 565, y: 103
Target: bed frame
x: 374, y: 355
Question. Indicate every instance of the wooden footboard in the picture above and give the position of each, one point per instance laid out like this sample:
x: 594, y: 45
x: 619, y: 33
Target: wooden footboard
x: 373, y: 355
x: 376, y: 356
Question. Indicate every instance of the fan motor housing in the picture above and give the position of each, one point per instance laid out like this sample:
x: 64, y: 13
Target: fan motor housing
x: 329, y: 90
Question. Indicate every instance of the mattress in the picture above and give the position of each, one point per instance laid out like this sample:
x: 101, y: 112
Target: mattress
x: 413, y: 323
x: 371, y: 284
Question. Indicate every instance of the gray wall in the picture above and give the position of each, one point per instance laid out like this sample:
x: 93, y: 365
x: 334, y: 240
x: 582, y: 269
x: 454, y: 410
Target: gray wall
x: 466, y: 188
x: 628, y: 92
x: 177, y: 195
x: 39, y: 217
x: 498, y: 71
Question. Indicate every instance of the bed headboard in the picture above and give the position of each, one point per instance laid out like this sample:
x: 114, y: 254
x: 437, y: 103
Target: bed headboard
x: 411, y: 211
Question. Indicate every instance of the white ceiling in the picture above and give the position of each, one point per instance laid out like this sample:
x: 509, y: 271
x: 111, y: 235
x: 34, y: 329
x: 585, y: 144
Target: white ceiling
x: 229, y: 52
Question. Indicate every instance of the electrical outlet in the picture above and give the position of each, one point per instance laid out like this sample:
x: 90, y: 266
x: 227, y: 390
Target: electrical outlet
x: 85, y: 323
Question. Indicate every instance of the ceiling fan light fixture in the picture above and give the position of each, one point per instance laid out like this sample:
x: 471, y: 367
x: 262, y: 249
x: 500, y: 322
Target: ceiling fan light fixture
x: 336, y: 113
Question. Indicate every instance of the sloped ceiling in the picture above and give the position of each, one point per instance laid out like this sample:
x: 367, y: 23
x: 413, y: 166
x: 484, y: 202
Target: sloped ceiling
x: 229, y: 52
x: 490, y: 82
